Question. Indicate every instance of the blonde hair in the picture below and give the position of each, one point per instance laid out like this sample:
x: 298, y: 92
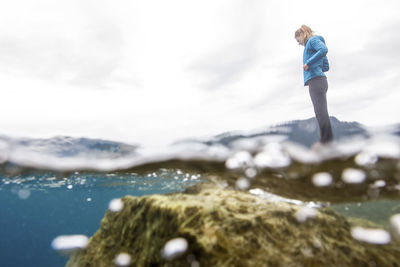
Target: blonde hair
x: 305, y: 30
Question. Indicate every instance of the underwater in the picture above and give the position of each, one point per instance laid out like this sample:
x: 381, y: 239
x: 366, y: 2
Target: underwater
x: 259, y: 198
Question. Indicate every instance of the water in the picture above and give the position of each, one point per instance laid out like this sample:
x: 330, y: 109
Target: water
x: 63, y: 185
x: 68, y: 205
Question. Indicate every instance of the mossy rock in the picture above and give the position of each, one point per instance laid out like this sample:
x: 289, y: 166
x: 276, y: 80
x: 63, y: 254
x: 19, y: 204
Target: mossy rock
x: 227, y: 228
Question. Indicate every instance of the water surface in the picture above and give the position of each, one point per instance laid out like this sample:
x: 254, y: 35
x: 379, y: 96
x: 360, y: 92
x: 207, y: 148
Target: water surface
x: 63, y: 185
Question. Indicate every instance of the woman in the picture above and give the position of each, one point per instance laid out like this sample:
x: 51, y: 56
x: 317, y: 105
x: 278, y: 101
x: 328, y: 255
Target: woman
x: 315, y: 63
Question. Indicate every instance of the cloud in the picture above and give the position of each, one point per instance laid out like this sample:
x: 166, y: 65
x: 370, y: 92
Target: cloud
x: 226, y: 65
x: 361, y: 77
x: 204, y: 66
x: 79, y: 47
x: 235, y: 48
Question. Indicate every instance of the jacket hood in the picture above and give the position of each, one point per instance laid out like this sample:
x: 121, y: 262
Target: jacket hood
x: 316, y: 36
x: 319, y: 37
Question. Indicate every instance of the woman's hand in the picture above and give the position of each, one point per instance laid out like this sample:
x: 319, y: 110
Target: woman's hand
x: 305, y: 67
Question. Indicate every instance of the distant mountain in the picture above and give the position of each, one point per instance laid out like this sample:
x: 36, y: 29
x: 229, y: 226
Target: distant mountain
x: 65, y: 146
x: 397, y: 130
x: 305, y: 132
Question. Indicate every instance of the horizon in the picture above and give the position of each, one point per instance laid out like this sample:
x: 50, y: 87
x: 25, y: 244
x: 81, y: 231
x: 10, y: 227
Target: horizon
x: 265, y: 129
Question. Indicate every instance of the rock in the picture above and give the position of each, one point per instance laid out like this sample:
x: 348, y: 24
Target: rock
x: 223, y: 227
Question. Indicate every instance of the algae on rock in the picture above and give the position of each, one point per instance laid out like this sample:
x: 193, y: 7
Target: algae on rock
x: 227, y: 228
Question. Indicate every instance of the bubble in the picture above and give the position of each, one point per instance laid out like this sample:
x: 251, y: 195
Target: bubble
x: 195, y: 177
x: 251, y: 172
x: 395, y: 226
x: 372, y: 236
x: 317, y: 243
x: 174, y: 248
x: 69, y: 186
x: 307, y: 252
x: 242, y: 184
x: 353, y: 176
x: 366, y: 158
x: 379, y: 183
x: 68, y: 244
x: 89, y: 199
x: 301, y: 154
x: 322, y: 179
x: 116, y: 205
x: 257, y: 192
x: 123, y: 259
x: 384, y: 146
x: 272, y: 157
x: 24, y: 194
x: 218, y: 152
x: 239, y: 160
x: 305, y: 213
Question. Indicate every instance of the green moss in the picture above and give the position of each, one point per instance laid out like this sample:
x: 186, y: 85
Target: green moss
x: 227, y: 228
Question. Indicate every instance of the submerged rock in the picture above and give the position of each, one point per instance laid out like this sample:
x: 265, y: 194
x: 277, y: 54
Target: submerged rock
x: 211, y: 226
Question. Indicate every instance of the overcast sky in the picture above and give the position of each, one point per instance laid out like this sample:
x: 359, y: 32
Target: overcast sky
x: 160, y: 70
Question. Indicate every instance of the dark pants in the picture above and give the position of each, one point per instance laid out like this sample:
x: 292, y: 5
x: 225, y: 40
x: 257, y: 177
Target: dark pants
x: 318, y: 87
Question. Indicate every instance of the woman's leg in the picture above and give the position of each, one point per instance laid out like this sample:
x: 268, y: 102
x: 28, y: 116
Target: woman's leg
x: 318, y: 88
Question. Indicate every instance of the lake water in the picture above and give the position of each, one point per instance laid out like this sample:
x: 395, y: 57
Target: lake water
x: 63, y: 186
x: 36, y: 208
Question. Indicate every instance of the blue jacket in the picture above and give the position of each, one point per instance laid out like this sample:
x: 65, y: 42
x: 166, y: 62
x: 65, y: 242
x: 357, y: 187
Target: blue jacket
x: 314, y: 56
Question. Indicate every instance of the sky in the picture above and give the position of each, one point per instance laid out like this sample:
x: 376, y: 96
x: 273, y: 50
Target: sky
x: 156, y: 71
